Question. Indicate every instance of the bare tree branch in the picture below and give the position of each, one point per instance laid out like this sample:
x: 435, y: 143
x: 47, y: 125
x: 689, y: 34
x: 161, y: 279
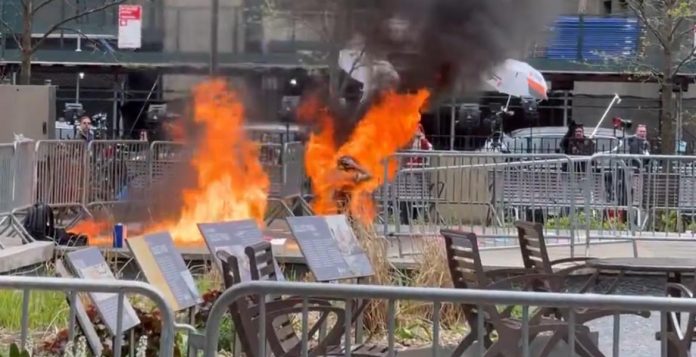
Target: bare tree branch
x: 640, y: 12
x: 10, y: 30
x: 684, y: 61
x: 41, y: 5
x: 53, y: 28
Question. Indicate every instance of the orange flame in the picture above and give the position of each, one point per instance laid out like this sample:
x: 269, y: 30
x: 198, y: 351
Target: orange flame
x: 388, y: 126
x: 231, y: 182
x: 97, y: 232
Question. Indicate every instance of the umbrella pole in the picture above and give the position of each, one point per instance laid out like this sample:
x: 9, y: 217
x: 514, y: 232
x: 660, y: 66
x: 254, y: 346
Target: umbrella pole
x: 508, y: 103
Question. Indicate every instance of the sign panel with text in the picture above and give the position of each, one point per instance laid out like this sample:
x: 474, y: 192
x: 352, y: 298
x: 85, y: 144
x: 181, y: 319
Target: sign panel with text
x: 233, y: 237
x: 130, y: 26
x: 90, y: 264
x: 163, y: 267
x: 330, y: 248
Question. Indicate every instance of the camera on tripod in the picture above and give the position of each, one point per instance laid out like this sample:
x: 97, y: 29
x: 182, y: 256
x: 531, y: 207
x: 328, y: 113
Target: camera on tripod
x: 620, y: 123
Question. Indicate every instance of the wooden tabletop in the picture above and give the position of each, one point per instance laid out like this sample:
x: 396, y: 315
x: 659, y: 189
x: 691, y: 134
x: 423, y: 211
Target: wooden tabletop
x: 646, y: 264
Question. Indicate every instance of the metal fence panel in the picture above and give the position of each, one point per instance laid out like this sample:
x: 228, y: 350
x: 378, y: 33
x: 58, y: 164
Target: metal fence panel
x: 120, y: 287
x: 483, y: 193
x: 271, y: 157
x: 294, y: 177
x: 61, y: 171
x: 6, y: 177
x: 24, y: 174
x: 165, y: 157
x: 117, y: 170
x: 435, y: 299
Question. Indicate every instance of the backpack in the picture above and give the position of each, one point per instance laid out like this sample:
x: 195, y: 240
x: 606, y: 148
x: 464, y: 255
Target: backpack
x: 39, y: 222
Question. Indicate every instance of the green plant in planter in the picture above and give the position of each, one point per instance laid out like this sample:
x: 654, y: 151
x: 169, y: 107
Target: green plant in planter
x: 15, y: 352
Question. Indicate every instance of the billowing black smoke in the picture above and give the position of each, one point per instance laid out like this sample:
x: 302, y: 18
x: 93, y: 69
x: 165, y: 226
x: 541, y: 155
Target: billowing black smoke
x: 437, y: 43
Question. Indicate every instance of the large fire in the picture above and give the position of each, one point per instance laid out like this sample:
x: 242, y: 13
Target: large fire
x: 231, y: 183
x: 388, y: 126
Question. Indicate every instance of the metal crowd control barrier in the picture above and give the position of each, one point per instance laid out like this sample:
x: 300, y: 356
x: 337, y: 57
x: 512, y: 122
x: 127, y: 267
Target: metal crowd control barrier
x: 7, y: 160
x: 24, y: 173
x: 61, y: 172
x: 607, y: 197
x: 117, y: 170
x: 74, y: 286
x: 165, y: 156
x: 482, y: 193
x: 436, y: 297
x: 284, y: 164
x: 646, y: 197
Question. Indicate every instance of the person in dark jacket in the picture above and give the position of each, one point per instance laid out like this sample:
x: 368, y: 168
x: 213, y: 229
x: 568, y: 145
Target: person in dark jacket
x: 638, y: 144
x: 83, y: 130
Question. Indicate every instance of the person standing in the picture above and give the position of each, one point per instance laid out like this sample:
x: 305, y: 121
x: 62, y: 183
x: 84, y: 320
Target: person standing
x: 638, y: 144
x: 84, y: 131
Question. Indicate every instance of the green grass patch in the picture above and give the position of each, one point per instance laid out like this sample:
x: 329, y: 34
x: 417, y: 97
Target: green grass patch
x: 46, y: 309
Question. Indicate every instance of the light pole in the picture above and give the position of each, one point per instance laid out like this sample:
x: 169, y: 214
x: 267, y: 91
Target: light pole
x: 215, y: 17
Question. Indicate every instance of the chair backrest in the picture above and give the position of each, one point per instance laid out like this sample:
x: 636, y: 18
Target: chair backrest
x: 466, y: 268
x: 244, y: 311
x: 282, y: 338
x: 533, y: 247
x: 261, y: 261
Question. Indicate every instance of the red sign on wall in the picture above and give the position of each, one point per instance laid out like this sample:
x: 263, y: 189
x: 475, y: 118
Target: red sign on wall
x: 130, y: 26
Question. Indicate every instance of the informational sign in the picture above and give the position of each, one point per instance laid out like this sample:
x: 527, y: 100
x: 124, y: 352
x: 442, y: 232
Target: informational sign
x: 130, y: 26
x: 327, y: 259
x: 90, y: 264
x: 163, y: 267
x: 349, y: 246
x: 233, y: 237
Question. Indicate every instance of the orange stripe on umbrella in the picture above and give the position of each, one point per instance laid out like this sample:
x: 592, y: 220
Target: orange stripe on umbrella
x: 537, y: 87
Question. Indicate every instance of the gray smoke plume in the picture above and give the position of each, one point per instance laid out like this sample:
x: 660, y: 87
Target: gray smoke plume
x: 437, y: 43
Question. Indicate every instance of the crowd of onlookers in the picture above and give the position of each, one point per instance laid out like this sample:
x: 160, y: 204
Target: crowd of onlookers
x: 576, y: 143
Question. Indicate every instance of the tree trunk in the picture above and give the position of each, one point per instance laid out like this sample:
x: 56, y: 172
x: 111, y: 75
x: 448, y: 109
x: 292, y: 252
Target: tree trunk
x: 667, y: 117
x: 25, y: 71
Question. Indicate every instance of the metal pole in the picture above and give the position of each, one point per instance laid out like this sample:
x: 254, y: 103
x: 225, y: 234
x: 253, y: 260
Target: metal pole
x: 565, y: 108
x: 453, y: 119
x: 77, y: 89
x: 215, y: 17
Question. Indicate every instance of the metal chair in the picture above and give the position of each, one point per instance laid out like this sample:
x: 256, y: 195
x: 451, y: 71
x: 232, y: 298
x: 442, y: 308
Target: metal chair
x: 535, y: 257
x: 467, y: 272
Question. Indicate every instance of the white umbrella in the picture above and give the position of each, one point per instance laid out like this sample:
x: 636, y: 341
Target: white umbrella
x: 519, y: 79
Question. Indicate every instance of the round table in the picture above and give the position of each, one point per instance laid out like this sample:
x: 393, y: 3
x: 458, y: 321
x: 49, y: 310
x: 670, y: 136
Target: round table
x: 673, y: 267
x: 667, y: 265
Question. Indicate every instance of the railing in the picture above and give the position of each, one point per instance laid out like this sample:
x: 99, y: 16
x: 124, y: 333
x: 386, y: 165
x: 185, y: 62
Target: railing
x: 435, y: 299
x: 578, y: 199
x: 73, y: 286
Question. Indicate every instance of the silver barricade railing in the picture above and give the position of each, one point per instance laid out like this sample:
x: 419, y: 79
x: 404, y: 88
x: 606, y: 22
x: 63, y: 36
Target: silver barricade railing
x: 646, y: 197
x: 117, y: 170
x: 7, y: 164
x: 271, y: 157
x: 293, y: 169
x: 165, y: 157
x: 61, y: 172
x: 74, y: 286
x: 436, y: 297
x: 24, y: 174
x: 483, y: 193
